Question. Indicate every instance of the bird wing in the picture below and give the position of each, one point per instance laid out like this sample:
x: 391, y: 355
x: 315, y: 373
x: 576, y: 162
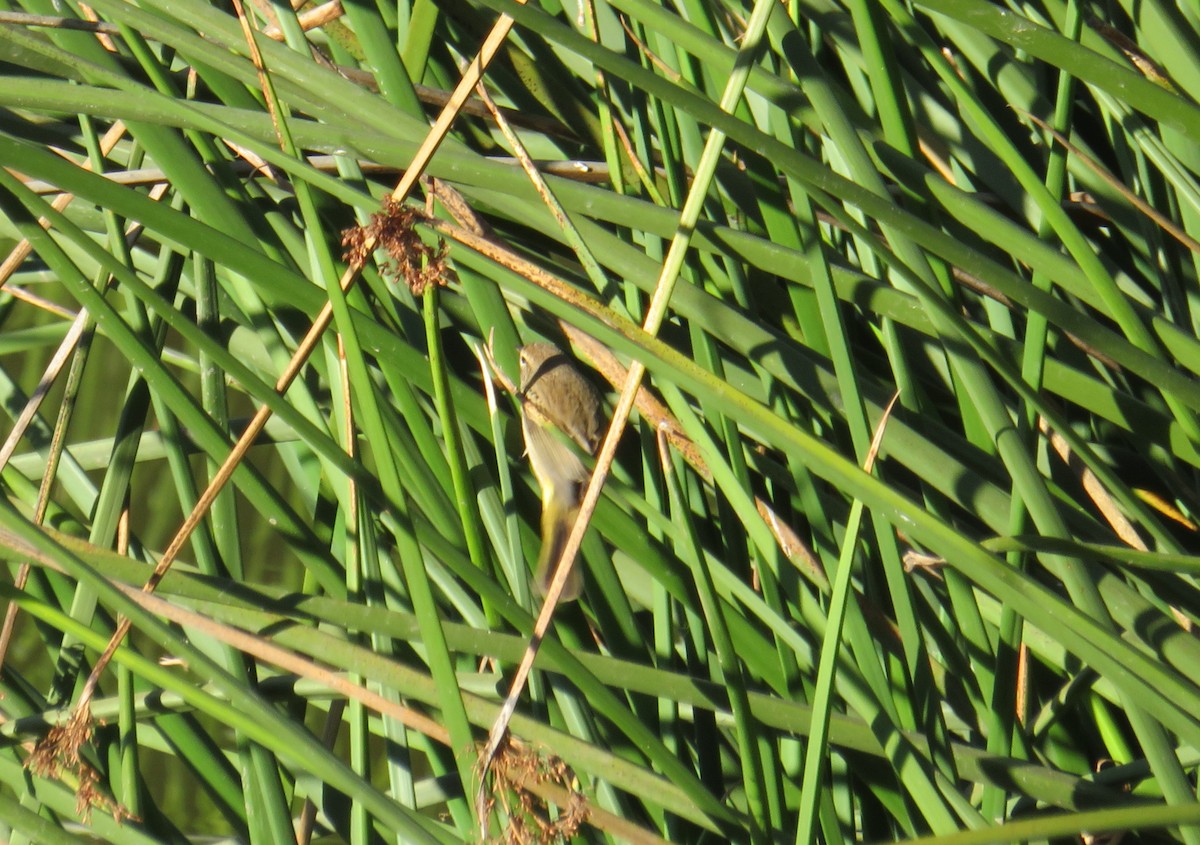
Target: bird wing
x: 558, y: 469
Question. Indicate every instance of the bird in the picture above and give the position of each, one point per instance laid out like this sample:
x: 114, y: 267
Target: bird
x: 555, y: 394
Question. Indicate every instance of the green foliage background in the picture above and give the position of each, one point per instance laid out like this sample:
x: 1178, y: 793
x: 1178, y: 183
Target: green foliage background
x: 887, y: 215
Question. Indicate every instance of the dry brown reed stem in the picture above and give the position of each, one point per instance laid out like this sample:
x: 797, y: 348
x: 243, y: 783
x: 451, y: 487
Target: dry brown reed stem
x: 309, y: 19
x: 1161, y: 220
x: 262, y: 649
x: 437, y: 133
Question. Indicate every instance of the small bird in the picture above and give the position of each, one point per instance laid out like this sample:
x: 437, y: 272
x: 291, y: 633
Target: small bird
x: 554, y: 393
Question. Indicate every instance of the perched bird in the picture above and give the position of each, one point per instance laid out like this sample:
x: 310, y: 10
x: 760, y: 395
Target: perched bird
x: 554, y: 393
